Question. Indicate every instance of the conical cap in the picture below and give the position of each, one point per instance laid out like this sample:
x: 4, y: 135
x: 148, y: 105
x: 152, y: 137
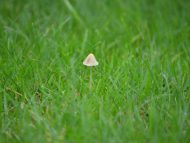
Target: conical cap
x: 90, y: 60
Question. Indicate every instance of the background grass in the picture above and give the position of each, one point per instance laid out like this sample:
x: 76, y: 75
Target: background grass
x: 141, y: 87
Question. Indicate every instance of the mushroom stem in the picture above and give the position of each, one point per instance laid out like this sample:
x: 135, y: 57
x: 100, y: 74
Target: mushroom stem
x: 91, y: 80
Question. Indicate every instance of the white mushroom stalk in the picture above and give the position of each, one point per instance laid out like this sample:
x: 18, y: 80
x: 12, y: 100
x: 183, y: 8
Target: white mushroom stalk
x: 90, y: 61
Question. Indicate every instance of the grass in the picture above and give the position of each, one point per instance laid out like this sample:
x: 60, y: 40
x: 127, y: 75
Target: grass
x: 141, y: 87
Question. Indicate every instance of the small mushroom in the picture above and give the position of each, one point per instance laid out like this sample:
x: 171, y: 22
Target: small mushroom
x: 90, y: 61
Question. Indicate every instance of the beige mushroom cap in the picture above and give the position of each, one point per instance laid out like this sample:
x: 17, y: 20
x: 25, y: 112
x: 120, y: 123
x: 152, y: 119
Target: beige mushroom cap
x: 90, y: 60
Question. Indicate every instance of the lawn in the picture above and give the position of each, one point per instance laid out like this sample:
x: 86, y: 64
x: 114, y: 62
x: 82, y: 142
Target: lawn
x: 140, y: 90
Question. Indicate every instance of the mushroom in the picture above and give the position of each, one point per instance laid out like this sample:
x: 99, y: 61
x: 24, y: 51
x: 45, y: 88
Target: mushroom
x: 90, y: 61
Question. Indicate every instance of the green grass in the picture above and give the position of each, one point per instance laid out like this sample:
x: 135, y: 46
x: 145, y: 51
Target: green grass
x: 141, y: 89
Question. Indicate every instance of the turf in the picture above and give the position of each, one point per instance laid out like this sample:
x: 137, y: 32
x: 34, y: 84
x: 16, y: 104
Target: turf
x: 141, y: 87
